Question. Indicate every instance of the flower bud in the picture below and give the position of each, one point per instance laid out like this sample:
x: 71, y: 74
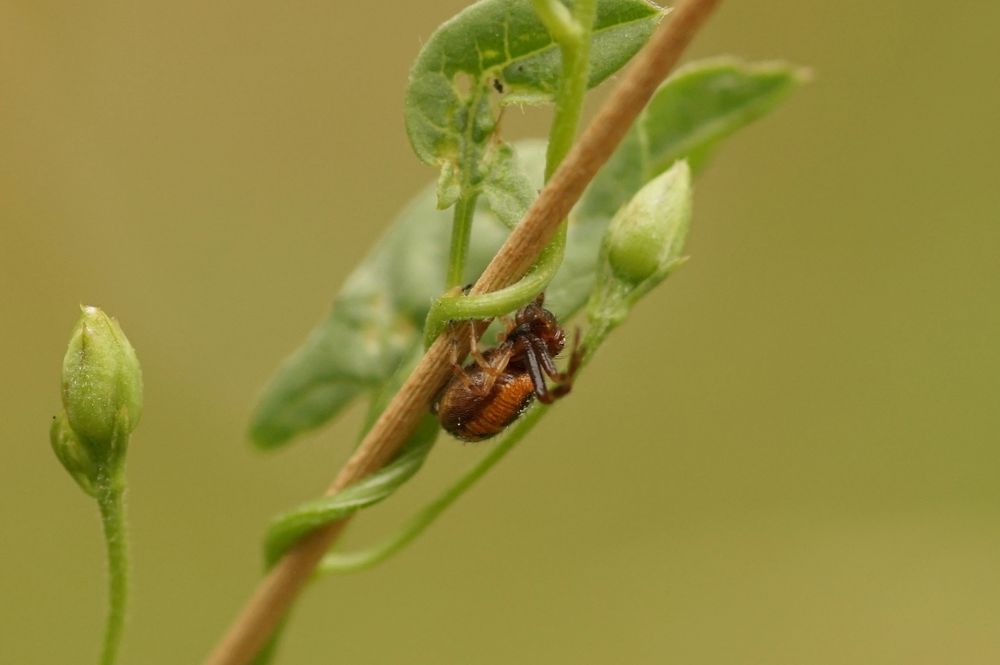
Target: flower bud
x: 646, y: 236
x: 642, y: 245
x: 101, y: 384
x: 73, y: 454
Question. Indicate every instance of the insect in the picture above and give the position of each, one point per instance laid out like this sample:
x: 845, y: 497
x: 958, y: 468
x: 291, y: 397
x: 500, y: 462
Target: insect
x: 500, y: 383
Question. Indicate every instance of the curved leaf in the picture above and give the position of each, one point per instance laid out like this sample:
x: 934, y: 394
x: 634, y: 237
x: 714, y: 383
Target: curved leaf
x: 496, y: 53
x: 286, y: 529
x: 691, y: 112
x: 688, y: 116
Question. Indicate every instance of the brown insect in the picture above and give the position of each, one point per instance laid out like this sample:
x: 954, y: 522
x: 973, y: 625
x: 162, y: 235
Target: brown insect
x: 500, y: 383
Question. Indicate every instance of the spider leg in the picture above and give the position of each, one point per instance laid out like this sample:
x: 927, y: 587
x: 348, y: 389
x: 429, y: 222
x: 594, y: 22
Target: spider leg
x: 545, y: 358
x: 492, y: 367
x: 564, y: 379
x: 459, y: 371
x: 535, y: 371
x: 576, y: 355
x: 474, y: 351
x: 495, y: 367
x: 508, y: 326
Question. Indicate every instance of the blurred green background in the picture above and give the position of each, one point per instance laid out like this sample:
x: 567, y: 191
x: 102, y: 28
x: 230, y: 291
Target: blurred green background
x: 789, y: 455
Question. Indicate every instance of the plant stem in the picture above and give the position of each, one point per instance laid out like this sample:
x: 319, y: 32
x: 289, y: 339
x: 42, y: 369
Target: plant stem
x: 275, y: 593
x: 461, y: 233
x: 112, y: 505
x: 495, y: 303
x: 575, y: 50
x: 557, y: 19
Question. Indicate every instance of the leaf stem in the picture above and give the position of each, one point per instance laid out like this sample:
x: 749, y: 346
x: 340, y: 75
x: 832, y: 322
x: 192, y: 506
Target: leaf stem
x: 562, y: 25
x: 575, y: 49
x: 111, y: 502
x: 461, y: 233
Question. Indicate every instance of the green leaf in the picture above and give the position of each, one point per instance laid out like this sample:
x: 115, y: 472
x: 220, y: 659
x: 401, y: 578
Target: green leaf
x: 374, y: 321
x: 453, y: 99
x: 286, y: 529
x: 691, y: 112
x: 508, y: 188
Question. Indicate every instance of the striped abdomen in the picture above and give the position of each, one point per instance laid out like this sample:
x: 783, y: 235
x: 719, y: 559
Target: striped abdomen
x: 468, y: 415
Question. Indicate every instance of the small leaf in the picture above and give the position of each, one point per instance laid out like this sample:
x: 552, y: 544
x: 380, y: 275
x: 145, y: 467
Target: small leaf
x: 288, y: 528
x: 453, y: 98
x: 690, y: 113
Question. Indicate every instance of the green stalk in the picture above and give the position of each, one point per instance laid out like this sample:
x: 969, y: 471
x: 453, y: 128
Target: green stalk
x: 575, y: 50
x: 461, y: 233
x: 487, y: 305
x: 112, y: 506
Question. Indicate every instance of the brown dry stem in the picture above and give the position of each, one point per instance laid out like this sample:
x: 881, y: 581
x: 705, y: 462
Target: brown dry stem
x: 276, y: 592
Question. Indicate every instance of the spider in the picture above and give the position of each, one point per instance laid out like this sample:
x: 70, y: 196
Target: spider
x: 493, y: 390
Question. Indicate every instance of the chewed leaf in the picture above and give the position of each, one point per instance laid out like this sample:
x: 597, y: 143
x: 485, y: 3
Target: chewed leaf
x: 498, y: 52
x: 694, y: 109
x: 508, y: 188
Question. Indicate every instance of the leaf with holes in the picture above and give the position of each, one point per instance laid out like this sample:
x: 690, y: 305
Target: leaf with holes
x: 493, y: 54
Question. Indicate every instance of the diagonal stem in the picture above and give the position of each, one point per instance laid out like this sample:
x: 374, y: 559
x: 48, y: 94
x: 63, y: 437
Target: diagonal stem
x: 274, y: 595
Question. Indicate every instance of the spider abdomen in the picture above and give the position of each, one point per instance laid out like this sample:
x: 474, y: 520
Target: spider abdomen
x: 472, y: 416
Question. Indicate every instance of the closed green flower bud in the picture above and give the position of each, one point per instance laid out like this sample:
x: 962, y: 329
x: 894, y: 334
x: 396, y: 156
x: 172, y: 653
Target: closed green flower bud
x: 101, y: 385
x: 73, y: 454
x: 642, y: 245
x: 647, y: 235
